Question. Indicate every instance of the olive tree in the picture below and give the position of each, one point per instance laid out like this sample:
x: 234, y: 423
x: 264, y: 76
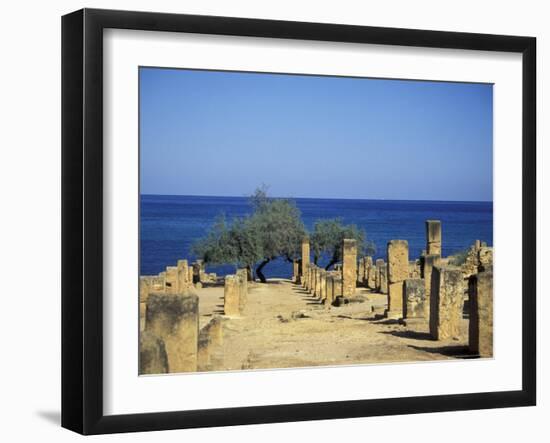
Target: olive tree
x: 328, y: 236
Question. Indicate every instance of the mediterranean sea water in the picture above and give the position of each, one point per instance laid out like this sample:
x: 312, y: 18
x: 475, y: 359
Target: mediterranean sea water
x: 170, y: 224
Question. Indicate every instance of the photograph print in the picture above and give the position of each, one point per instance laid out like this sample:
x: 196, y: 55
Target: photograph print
x: 294, y: 221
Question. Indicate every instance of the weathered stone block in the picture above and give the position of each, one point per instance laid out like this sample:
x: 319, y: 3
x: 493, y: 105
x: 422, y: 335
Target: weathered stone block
x: 398, y: 260
x: 414, y: 297
x: 295, y: 271
x: 481, y: 314
x: 485, y: 255
x: 349, y: 266
x: 371, y: 278
x: 145, y: 284
x: 446, y: 302
x: 433, y: 237
x: 183, y: 275
x: 171, y: 280
x: 395, y: 300
x: 152, y: 354
x: 330, y: 291
x: 231, y: 296
x: 305, y: 255
x: 337, y: 289
x: 175, y: 319
x: 429, y: 262
x: 384, y: 279
x: 242, y: 276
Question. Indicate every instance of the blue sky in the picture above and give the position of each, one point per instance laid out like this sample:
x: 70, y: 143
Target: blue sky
x: 226, y: 133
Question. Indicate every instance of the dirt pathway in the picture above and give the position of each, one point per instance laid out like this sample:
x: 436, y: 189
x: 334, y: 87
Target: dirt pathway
x: 284, y: 326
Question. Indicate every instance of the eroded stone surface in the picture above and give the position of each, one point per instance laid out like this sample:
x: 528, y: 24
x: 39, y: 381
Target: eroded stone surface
x: 414, y: 293
x: 481, y: 314
x: 446, y: 302
x: 174, y: 318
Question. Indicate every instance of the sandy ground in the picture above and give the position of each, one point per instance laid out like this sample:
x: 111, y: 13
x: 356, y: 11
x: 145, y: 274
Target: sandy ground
x: 284, y: 326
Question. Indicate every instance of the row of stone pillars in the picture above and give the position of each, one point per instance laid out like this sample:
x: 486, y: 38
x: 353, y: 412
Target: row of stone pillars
x: 438, y: 296
x: 170, y: 339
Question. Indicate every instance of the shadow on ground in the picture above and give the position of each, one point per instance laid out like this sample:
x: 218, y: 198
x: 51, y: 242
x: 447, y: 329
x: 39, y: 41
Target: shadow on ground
x: 409, y: 334
x: 457, y: 351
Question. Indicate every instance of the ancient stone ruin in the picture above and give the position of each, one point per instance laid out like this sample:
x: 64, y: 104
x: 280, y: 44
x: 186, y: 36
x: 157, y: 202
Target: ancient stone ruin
x: 449, y: 297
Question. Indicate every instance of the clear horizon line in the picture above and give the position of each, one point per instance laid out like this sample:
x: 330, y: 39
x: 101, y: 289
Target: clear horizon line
x: 321, y: 198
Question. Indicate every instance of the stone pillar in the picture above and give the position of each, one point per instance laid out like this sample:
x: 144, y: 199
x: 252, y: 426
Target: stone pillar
x: 311, y: 278
x: 183, y: 275
x: 191, y: 272
x: 398, y: 272
x: 152, y: 354
x: 360, y: 270
x: 371, y: 281
x: 368, y: 264
x: 305, y: 255
x: 337, y: 290
x: 414, y: 298
x: 480, y: 335
x: 242, y: 276
x: 323, y: 289
x: 330, y: 291
x: 378, y: 281
x: 349, y: 267
x: 433, y: 237
x: 174, y: 318
x: 231, y: 296
x: 384, y: 279
x: 172, y: 280
x: 318, y: 282
x: 295, y: 271
x: 446, y: 302
x: 428, y: 263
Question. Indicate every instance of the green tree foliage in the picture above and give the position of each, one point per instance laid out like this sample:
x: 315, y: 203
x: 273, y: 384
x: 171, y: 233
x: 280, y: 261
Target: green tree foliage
x: 328, y: 236
x: 274, y: 229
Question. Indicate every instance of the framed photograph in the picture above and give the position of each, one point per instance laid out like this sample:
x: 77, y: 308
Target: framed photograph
x: 269, y: 221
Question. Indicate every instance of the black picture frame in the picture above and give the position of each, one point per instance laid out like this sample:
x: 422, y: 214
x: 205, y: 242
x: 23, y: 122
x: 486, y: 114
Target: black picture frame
x: 82, y: 218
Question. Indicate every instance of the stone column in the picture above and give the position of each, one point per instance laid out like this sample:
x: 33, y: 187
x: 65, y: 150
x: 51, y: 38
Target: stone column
x: 414, y: 298
x: 428, y: 263
x: 371, y: 282
x: 361, y: 270
x: 242, y: 276
x: 330, y: 291
x: 318, y: 282
x: 384, y: 279
x: 337, y: 290
x: 295, y: 271
x: 398, y: 272
x: 183, y: 275
x: 305, y: 256
x: 191, y: 272
x: 378, y: 281
x: 368, y: 264
x: 349, y: 267
x: 323, y: 289
x: 231, y: 296
x: 152, y: 354
x: 172, y: 280
x: 311, y: 278
x: 446, y: 302
x: 174, y: 318
x: 433, y: 237
x: 481, y: 314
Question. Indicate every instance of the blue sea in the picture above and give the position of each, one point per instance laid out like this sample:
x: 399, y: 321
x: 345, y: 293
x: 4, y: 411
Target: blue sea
x: 170, y: 224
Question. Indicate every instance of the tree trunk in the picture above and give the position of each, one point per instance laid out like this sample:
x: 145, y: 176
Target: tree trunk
x: 259, y: 273
x: 332, y: 262
x: 249, y: 273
